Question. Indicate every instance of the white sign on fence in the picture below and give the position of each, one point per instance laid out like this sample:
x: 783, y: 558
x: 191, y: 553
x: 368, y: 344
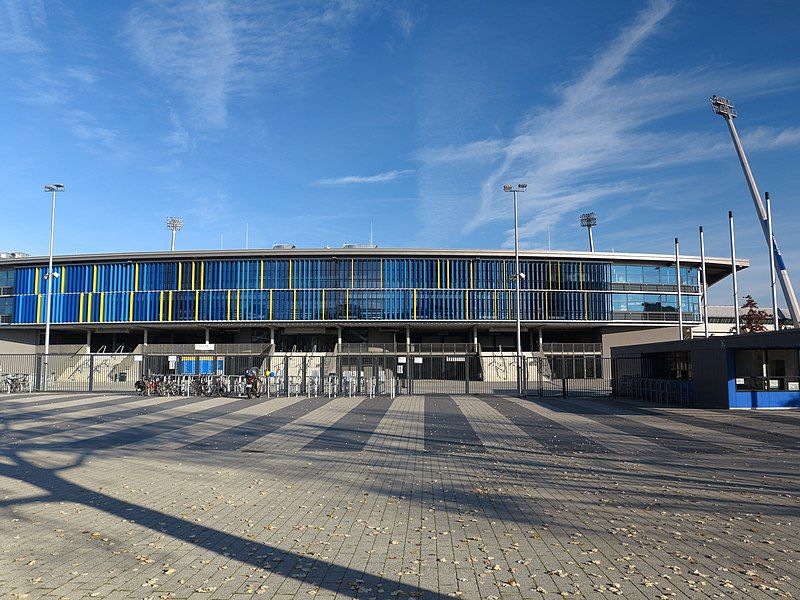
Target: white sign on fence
x: 418, y: 360
x: 204, y: 346
x: 138, y: 358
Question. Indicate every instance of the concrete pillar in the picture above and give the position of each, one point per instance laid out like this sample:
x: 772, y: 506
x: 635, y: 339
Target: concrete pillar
x: 144, y: 339
x: 541, y: 348
x: 408, y: 335
x: 475, y: 335
x: 88, y: 340
x: 272, y: 335
x: 339, y: 336
x: 208, y: 334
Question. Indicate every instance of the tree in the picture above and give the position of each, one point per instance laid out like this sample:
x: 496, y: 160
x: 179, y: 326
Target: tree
x: 755, y: 319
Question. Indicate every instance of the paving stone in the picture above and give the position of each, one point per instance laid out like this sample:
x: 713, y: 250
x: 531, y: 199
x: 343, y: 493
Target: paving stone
x: 436, y: 496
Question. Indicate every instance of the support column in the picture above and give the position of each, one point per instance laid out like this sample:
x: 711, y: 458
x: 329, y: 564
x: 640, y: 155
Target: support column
x: 339, y: 336
x: 88, y: 341
x: 208, y: 334
x: 272, y: 335
x: 475, y: 335
x: 541, y: 344
x: 144, y: 339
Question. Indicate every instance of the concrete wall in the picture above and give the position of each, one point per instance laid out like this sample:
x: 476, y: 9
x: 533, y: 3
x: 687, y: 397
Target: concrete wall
x: 19, y: 341
x: 614, y: 337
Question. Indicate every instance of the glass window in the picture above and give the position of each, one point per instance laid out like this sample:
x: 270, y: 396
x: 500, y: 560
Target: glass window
x: 634, y: 273
x: 651, y: 275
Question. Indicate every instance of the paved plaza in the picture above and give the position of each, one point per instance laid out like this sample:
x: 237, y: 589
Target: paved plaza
x: 438, y: 496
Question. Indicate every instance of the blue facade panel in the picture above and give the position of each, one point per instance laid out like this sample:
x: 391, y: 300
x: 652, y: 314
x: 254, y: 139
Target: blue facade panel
x: 346, y: 289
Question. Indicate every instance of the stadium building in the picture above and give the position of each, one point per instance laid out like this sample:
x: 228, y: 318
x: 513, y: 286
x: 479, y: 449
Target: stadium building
x: 307, y: 300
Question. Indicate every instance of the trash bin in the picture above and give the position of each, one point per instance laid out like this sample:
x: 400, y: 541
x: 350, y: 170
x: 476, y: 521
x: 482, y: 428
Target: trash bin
x: 123, y: 376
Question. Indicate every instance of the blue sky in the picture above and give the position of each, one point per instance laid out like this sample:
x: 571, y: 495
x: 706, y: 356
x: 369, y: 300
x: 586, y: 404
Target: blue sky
x: 311, y: 120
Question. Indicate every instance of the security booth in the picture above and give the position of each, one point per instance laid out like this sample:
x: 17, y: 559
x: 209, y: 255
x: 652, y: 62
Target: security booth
x: 755, y: 370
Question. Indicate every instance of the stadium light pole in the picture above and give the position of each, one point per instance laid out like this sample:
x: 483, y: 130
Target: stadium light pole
x: 724, y: 108
x: 54, y: 189
x: 589, y: 220
x: 174, y: 224
x: 521, y: 187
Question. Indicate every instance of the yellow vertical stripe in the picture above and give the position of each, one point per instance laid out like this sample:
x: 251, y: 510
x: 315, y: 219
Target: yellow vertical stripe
x: 449, y: 284
x: 323, y: 305
x: 169, y: 307
x: 471, y: 277
x: 36, y: 282
x: 546, y: 306
x: 438, y: 274
x: 229, y: 305
x: 294, y: 306
x: 80, y: 309
x: 161, y: 305
x: 180, y: 275
x: 193, y: 273
x: 63, y: 279
x: 130, y: 306
x: 415, y: 305
x: 466, y: 303
x: 381, y: 272
x: 202, y: 275
x: 102, y: 308
x: 504, y: 275
x: 136, y: 277
x: 89, y: 308
x: 238, y: 304
x: 270, y: 305
x: 262, y: 274
x: 39, y: 308
x: 352, y: 273
x: 197, y: 305
x: 290, y: 273
x: 94, y: 278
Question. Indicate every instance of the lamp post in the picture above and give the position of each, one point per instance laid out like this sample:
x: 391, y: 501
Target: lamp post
x: 518, y: 276
x: 678, y: 283
x: 50, y: 188
x: 174, y: 224
x: 589, y: 220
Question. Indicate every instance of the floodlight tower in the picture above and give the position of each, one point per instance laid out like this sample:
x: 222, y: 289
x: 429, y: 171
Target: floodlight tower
x: 174, y: 224
x: 724, y: 108
x: 589, y: 220
x: 518, y: 276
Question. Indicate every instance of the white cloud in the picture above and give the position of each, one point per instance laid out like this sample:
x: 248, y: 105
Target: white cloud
x: 592, y: 143
x: 21, y: 23
x: 209, y: 52
x: 358, y: 179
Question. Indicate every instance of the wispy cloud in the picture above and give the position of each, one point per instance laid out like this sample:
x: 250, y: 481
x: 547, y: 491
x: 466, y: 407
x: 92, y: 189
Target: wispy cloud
x: 603, y: 129
x: 209, y: 53
x: 358, y: 179
x: 20, y: 23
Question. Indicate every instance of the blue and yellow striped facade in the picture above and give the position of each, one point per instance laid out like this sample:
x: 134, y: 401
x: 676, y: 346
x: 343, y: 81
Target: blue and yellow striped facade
x: 339, y: 289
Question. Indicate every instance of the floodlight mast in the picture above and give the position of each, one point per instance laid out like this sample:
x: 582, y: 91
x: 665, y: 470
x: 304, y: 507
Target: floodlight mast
x: 589, y: 220
x: 174, y: 224
x: 724, y: 108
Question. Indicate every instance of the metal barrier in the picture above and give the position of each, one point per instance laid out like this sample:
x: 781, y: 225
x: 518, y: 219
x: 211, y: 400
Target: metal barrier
x: 372, y: 374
